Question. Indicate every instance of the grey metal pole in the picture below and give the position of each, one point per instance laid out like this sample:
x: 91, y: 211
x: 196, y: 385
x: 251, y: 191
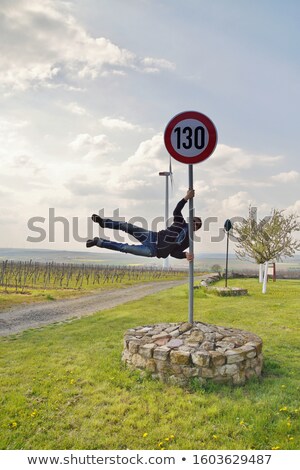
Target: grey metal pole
x: 191, y: 249
x: 166, y: 260
x: 226, y: 268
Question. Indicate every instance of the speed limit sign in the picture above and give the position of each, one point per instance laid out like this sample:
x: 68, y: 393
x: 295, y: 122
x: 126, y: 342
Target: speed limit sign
x: 190, y: 137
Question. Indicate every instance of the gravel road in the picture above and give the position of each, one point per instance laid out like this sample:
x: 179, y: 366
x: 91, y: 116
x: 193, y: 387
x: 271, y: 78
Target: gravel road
x: 35, y: 315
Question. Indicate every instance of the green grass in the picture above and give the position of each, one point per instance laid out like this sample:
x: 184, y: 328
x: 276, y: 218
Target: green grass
x: 64, y: 387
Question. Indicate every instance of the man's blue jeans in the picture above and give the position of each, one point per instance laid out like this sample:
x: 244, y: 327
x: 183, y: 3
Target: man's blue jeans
x: 147, y: 239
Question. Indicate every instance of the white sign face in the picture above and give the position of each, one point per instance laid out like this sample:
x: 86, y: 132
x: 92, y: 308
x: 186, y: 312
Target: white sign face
x: 190, y: 137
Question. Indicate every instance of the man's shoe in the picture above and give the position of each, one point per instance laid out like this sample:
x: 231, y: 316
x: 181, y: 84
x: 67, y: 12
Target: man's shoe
x: 91, y: 243
x: 96, y: 218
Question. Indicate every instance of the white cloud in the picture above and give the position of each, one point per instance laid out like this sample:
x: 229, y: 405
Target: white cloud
x: 25, y: 163
x: 11, y: 134
x: 153, y: 65
x: 294, y: 208
x: 119, y: 123
x: 237, y: 203
x: 75, y: 108
x: 230, y: 160
x: 41, y: 43
x: 138, y: 174
x: 286, y: 177
x: 92, y: 148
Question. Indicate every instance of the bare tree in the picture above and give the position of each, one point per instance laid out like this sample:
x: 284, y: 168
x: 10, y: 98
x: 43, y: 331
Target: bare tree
x: 270, y: 239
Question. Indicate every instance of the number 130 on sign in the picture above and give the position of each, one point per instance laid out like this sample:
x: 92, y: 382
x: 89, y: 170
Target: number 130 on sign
x: 190, y: 137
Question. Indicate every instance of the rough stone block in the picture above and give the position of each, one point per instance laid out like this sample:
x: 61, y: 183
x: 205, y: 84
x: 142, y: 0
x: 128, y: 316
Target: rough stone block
x: 190, y: 371
x: 201, y: 358
x: 251, y: 354
x: 218, y: 358
x: 162, y: 366
x: 162, y: 340
x: 133, y: 346
x: 176, y: 369
x: 185, y: 327
x: 174, y: 343
x: 175, y: 333
x: 161, y: 353
x: 138, y: 361
x: 207, y: 346
x: 228, y: 369
x: 210, y: 337
x: 207, y: 373
x: 256, y: 345
x: 239, y: 378
x: 180, y: 357
x: 196, y: 337
x: 150, y: 365
x: 146, y: 350
x: 234, y: 356
x: 172, y: 328
x: 225, y: 345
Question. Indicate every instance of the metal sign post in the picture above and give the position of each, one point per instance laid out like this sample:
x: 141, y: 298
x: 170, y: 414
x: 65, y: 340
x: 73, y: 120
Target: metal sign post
x: 190, y: 137
x: 191, y: 248
x: 226, y: 268
x: 227, y: 228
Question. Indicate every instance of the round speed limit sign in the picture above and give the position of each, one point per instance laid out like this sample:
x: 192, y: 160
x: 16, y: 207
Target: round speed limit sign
x: 190, y: 137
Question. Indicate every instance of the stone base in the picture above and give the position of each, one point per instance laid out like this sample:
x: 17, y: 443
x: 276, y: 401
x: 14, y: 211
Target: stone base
x: 177, y: 352
x: 227, y: 291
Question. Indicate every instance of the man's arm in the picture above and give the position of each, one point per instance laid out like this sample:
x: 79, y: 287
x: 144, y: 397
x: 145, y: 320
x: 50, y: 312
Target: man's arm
x: 178, y: 217
x: 182, y: 255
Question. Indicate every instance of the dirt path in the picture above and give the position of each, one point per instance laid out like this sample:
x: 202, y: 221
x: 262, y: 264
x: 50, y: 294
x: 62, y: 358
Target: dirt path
x: 21, y: 318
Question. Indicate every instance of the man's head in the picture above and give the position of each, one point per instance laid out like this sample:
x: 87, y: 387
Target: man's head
x: 197, y: 223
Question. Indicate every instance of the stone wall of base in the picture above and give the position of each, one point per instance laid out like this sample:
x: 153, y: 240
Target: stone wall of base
x: 177, y: 352
x: 227, y: 291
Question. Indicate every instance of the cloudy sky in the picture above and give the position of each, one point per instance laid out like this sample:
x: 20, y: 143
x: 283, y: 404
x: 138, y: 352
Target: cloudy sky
x: 88, y: 87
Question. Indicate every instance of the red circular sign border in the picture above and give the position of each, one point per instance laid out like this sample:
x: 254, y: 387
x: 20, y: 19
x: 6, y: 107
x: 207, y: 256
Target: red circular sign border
x: 212, y: 132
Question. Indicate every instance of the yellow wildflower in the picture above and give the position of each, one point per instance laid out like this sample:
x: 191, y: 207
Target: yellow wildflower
x: 276, y: 448
x: 284, y: 408
x: 14, y: 424
x: 145, y: 434
x: 167, y: 439
x: 215, y: 436
x: 172, y: 436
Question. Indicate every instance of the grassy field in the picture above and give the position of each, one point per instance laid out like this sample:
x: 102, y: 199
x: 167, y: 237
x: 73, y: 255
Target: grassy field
x: 24, y: 289
x: 64, y: 387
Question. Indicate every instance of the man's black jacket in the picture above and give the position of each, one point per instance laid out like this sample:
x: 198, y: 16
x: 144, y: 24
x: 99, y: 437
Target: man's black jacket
x: 167, y: 240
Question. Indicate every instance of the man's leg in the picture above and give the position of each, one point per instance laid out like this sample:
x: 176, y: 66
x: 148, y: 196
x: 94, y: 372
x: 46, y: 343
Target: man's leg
x: 138, y: 250
x: 141, y: 234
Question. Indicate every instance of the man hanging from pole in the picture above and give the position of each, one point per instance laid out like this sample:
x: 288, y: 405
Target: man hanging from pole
x: 171, y: 241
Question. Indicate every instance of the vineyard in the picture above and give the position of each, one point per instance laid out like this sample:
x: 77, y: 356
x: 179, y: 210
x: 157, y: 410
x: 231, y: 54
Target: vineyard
x: 22, y: 275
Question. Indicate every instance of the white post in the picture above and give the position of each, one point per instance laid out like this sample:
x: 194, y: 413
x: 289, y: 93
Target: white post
x: 264, y: 287
x: 261, y: 271
x: 166, y: 260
